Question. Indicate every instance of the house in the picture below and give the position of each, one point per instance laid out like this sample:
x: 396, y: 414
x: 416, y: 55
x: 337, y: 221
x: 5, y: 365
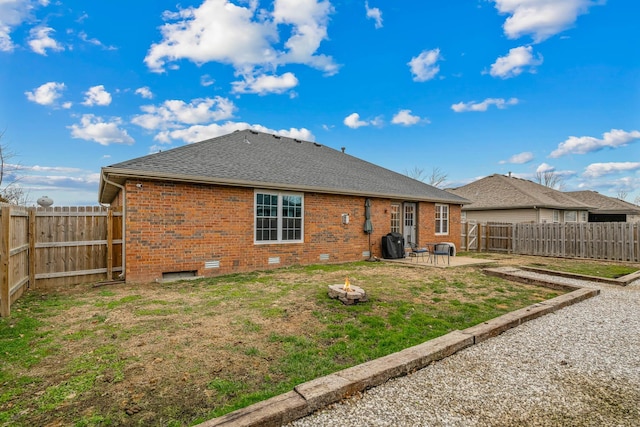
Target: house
x: 607, y: 209
x: 500, y: 198
x: 251, y: 200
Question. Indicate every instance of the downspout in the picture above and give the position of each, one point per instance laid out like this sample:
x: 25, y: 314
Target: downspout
x: 124, y: 221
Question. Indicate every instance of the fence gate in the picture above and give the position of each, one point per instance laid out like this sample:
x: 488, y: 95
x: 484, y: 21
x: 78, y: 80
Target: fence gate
x: 470, y: 236
x: 56, y: 247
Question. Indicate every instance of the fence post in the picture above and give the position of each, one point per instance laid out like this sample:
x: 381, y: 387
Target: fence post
x: 32, y: 248
x: 5, y: 253
x: 109, y: 244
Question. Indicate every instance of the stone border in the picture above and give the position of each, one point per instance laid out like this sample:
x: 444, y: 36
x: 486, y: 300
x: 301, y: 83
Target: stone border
x: 320, y: 392
x: 620, y: 281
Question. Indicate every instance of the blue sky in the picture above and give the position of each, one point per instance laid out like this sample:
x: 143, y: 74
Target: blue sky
x: 470, y: 87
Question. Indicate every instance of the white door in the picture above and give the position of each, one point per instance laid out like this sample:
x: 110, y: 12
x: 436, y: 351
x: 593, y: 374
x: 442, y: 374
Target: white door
x: 409, y: 230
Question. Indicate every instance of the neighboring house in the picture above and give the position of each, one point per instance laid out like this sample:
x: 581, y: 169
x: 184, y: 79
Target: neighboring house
x: 607, y: 209
x: 500, y: 198
x: 250, y: 200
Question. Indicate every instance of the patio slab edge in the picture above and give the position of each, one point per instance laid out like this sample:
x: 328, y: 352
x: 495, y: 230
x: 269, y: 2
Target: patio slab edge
x: 321, y: 392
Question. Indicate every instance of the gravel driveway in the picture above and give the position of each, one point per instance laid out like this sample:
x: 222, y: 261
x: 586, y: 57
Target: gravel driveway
x: 579, y: 366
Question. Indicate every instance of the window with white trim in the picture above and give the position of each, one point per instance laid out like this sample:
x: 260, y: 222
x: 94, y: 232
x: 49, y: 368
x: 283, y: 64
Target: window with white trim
x: 278, y: 217
x: 556, y: 216
x: 570, y: 216
x: 442, y: 219
x: 395, y: 218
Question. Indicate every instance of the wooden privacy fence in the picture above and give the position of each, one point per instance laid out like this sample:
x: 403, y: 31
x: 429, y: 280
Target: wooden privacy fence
x: 54, y: 247
x: 615, y: 241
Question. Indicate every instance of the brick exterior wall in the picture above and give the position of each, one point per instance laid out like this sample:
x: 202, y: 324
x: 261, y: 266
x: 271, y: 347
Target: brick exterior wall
x: 175, y: 227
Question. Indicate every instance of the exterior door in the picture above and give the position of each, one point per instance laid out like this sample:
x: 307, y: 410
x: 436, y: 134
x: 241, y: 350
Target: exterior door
x: 409, y: 229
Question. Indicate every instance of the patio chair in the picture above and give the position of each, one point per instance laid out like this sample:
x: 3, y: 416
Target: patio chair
x: 442, y: 250
x: 418, y: 252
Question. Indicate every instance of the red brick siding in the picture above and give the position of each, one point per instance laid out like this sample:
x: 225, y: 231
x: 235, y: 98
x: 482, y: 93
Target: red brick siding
x: 178, y: 227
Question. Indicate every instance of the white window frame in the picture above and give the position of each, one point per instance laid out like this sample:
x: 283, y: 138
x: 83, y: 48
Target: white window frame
x: 442, y: 219
x: 396, y: 218
x: 279, y: 217
x: 556, y: 215
x: 570, y: 216
x: 584, y: 216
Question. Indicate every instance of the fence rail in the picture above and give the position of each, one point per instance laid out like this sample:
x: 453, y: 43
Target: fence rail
x: 54, y: 247
x: 614, y: 241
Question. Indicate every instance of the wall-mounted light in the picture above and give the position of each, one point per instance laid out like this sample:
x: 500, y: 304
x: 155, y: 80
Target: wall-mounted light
x: 345, y: 218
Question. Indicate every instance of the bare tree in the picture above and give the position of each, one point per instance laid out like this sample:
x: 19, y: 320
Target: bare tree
x: 622, y: 194
x: 551, y: 179
x: 416, y: 173
x: 437, y: 178
x: 10, y: 192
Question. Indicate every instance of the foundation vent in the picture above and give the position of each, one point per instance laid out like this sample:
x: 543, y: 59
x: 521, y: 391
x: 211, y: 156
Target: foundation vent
x: 366, y: 254
x: 324, y: 257
x: 211, y: 264
x: 274, y: 260
x: 171, y: 276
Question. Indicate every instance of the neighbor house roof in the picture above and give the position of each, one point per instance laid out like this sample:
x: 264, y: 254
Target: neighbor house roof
x: 507, y: 192
x: 254, y: 159
x: 604, y: 204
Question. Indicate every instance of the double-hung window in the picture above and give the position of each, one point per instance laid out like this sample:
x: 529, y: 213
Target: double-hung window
x: 442, y: 219
x: 278, y: 217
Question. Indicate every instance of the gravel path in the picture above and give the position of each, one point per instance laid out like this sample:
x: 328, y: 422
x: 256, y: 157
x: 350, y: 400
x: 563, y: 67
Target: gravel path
x: 579, y: 366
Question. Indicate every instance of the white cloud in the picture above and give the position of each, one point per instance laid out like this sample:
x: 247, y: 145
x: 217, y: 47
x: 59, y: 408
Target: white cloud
x: 47, y: 94
x: 404, y: 117
x: 40, y: 40
x: 353, y: 121
x: 206, y: 80
x: 541, y: 18
x: 97, y: 95
x: 586, y: 144
x: 245, y: 37
x: 265, y: 84
x: 424, y: 66
x: 198, y: 133
x: 596, y: 170
x: 173, y: 113
x: 144, y: 92
x: 545, y: 167
x: 94, y: 128
x: 500, y: 103
x: 94, y: 41
x: 374, y: 13
x: 12, y: 14
x: 519, y: 159
x: 517, y: 60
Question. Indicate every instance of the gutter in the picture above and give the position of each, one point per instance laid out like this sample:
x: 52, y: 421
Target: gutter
x: 124, y: 221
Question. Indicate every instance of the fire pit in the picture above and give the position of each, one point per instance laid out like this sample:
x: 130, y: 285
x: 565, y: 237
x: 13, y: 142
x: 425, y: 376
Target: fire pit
x: 347, y: 293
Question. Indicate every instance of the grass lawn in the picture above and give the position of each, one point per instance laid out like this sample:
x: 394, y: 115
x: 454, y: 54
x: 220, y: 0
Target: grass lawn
x: 180, y: 353
x: 606, y: 269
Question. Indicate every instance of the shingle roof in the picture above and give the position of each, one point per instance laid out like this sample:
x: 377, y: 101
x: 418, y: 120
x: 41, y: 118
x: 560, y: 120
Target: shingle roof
x: 604, y: 204
x: 255, y: 159
x: 505, y: 192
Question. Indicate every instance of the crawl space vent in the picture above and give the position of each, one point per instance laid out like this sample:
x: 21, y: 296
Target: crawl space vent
x: 211, y: 264
x: 274, y: 260
x: 366, y: 254
x: 178, y: 275
x: 324, y: 257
